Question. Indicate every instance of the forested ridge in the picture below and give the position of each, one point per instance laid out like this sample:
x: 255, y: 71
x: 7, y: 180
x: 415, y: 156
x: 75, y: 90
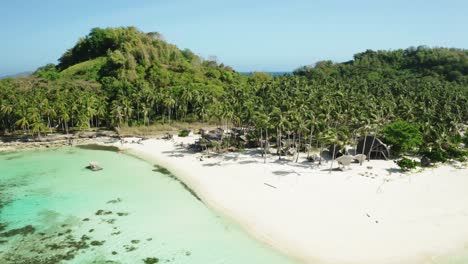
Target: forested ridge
x: 117, y: 77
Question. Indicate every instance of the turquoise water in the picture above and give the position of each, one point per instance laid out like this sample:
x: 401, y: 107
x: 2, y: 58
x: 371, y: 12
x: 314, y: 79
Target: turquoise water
x: 53, y: 210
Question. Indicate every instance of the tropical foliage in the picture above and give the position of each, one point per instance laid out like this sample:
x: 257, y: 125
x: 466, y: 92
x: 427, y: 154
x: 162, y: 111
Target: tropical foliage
x: 123, y: 77
x: 402, y: 136
x: 406, y: 164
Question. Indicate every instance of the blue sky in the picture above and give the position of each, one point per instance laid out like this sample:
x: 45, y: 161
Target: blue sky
x: 255, y: 35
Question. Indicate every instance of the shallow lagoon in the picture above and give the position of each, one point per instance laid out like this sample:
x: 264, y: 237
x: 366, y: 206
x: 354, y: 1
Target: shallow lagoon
x: 52, y: 209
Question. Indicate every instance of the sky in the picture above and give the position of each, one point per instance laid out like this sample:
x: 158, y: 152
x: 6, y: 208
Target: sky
x: 253, y: 35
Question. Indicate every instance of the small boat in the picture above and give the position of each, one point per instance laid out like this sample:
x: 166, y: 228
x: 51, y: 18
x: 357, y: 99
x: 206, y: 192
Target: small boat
x: 93, y: 166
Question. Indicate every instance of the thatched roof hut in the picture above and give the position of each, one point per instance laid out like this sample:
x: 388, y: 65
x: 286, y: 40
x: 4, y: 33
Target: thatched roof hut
x: 379, y: 149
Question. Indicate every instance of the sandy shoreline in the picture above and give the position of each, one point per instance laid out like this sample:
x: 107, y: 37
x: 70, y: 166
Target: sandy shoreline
x: 363, y: 215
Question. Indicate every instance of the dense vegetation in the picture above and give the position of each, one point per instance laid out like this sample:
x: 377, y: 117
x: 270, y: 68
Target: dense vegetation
x: 123, y: 77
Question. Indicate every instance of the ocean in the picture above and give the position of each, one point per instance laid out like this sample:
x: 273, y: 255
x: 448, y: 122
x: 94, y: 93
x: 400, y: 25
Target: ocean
x: 53, y: 210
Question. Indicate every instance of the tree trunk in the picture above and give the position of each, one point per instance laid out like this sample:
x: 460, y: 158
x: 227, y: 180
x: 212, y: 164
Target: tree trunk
x: 266, y: 144
x: 372, y: 145
x: 321, y: 150
x: 298, y: 147
x: 277, y: 142
x: 363, y: 148
x: 333, y: 158
x: 310, y: 141
x: 48, y: 124
x: 279, y: 145
x: 61, y: 123
x: 261, y: 141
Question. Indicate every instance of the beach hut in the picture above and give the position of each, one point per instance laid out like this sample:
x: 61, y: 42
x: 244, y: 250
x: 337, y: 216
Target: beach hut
x: 373, y: 147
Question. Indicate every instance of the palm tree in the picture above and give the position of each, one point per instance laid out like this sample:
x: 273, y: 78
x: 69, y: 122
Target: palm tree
x: 23, y: 123
x: 281, y: 123
x: 331, y: 137
x: 6, y: 110
x: 302, y: 130
x: 262, y: 122
x: 169, y: 103
x: 364, y: 129
x: 117, y: 113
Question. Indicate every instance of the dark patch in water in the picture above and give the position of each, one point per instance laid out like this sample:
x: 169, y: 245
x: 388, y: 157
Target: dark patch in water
x: 103, y: 212
x: 122, y: 214
x: 97, y: 243
x: 42, y: 248
x: 6, y: 153
x: 109, y: 221
x: 191, y: 191
x: 29, y: 229
x: 7, y: 187
x: 129, y: 248
x: 161, y: 170
x: 104, y: 262
x: 14, y: 157
x: 118, y: 200
x: 150, y: 260
x: 164, y: 171
x: 99, y: 147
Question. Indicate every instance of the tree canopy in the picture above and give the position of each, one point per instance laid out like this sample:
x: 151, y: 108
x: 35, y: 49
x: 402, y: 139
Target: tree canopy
x: 124, y: 77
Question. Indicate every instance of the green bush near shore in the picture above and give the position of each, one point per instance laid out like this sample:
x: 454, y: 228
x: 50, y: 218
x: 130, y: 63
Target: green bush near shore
x: 184, y: 133
x: 403, y: 136
x: 406, y: 164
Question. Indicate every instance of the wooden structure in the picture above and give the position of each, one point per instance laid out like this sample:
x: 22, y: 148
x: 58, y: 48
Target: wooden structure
x: 373, y: 147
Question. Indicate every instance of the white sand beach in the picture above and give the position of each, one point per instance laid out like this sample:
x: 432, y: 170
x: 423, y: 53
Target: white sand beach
x: 362, y: 215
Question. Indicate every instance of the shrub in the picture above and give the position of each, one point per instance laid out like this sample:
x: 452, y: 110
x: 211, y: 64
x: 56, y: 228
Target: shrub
x: 465, y: 140
x: 435, y: 154
x: 406, y: 164
x: 456, y: 153
x: 184, y: 133
x: 402, y: 136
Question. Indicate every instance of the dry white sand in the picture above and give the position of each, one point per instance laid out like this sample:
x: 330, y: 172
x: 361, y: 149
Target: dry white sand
x: 362, y: 215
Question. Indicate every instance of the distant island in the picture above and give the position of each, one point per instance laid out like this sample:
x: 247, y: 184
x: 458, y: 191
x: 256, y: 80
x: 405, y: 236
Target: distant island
x: 15, y: 75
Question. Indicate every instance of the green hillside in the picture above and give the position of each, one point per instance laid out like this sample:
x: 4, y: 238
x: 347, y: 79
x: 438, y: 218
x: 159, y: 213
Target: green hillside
x: 117, y: 77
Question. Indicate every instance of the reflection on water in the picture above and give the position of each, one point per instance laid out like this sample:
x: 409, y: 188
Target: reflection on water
x: 98, y: 147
